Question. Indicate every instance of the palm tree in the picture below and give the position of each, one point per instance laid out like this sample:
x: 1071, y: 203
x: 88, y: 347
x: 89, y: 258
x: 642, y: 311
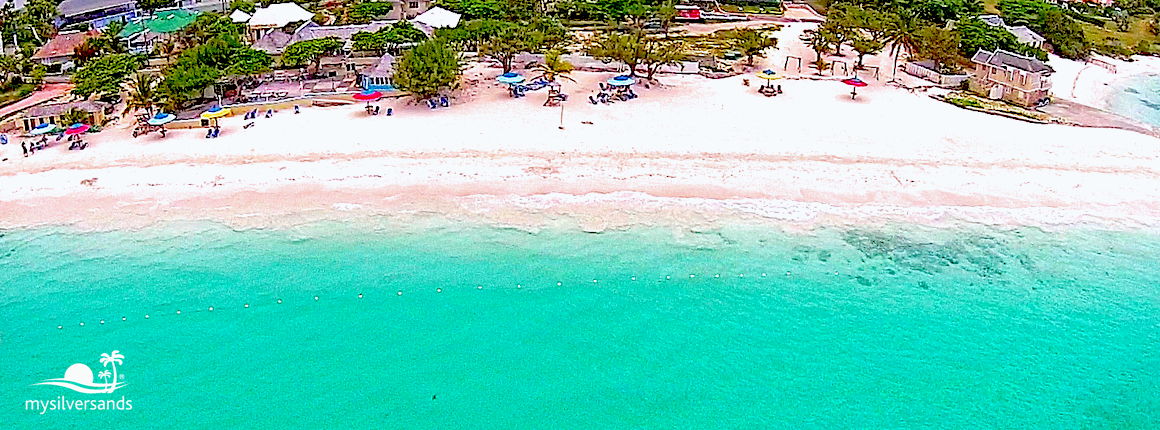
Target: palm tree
x: 104, y: 375
x: 142, y: 89
x: 114, y: 358
x: 553, y: 67
x: 901, y: 33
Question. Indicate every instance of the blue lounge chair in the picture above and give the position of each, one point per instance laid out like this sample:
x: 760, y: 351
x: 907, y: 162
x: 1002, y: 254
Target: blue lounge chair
x: 431, y: 104
x: 443, y: 102
x: 209, y: 134
x: 390, y: 111
x: 217, y: 131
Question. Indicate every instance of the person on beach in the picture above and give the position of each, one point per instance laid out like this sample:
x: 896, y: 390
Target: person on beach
x: 24, y: 146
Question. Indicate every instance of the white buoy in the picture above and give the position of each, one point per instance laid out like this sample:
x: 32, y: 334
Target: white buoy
x: 211, y: 308
x: 559, y: 284
x: 691, y: 276
x: 179, y: 312
x: 786, y: 273
x: 279, y: 301
x: 247, y: 305
x: 360, y: 295
x: 593, y: 281
x: 716, y: 276
x: 316, y: 298
x: 518, y: 286
x: 480, y: 286
x: 82, y: 324
x: 400, y: 293
x: 102, y: 321
x: 146, y: 316
x: 668, y: 277
x: 762, y: 274
x: 438, y: 290
x: 741, y: 275
x: 634, y: 278
x: 60, y: 327
x: 122, y: 318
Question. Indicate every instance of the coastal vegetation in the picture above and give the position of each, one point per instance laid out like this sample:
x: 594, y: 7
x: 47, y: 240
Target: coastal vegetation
x: 428, y: 68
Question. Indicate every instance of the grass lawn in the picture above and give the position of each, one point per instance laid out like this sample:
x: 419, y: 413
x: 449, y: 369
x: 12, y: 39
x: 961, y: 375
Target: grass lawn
x: 15, y: 94
x: 1108, y: 36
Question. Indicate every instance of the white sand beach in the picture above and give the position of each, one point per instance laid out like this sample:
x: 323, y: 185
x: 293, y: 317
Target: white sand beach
x: 888, y: 152
x: 1090, y: 83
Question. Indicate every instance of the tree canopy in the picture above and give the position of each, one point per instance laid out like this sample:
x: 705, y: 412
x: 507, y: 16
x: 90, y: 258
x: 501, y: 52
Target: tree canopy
x: 103, y: 75
x: 427, y: 69
x: 310, y: 51
x: 387, y: 37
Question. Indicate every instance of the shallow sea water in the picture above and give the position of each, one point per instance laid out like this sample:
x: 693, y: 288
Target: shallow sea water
x: 1138, y: 98
x: 746, y: 326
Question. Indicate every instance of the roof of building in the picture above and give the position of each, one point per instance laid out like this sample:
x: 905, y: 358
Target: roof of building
x: 277, y: 41
x: 63, y: 45
x: 62, y: 108
x: 279, y: 15
x: 1001, y: 58
x: 76, y: 7
x: 239, y: 16
x: 1026, y: 36
x: 164, y: 21
x: 384, y: 68
x: 16, y: 4
x: 438, y: 17
x: 994, y: 20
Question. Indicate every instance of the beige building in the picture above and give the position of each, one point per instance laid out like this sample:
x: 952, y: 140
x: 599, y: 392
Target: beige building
x: 53, y: 113
x: 1008, y: 76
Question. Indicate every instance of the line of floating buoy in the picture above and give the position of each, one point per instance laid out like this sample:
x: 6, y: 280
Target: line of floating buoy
x: 440, y: 290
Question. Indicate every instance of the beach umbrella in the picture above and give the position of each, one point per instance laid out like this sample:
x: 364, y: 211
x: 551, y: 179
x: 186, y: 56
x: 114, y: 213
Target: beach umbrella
x: 854, y: 82
x: 162, y: 118
x: 368, y: 96
x: 621, y: 81
x: 511, y: 78
x: 769, y: 75
x: 215, y: 112
x: 76, y: 129
x: 45, y: 128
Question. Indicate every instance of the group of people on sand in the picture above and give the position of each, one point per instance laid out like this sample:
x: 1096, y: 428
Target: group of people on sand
x: 611, y: 93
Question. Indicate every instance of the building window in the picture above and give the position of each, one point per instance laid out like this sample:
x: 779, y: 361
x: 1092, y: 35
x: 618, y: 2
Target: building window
x: 413, y: 5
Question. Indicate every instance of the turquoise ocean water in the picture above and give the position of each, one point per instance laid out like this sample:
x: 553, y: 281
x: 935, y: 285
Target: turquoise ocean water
x: 1138, y: 98
x: 889, y: 327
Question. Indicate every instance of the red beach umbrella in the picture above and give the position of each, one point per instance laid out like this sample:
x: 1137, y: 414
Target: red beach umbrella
x: 368, y: 96
x: 76, y: 129
x: 854, y: 82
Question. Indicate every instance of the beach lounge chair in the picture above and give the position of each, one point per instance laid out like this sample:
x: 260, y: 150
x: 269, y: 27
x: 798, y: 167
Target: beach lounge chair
x: 432, y: 104
x: 390, y: 111
x: 591, y: 100
x: 209, y: 133
x: 248, y: 125
x: 297, y: 110
x: 216, y: 131
x: 377, y: 108
x: 443, y: 102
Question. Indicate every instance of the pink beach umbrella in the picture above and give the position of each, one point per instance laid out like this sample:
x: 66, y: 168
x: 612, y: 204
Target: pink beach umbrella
x: 76, y: 129
x: 368, y: 96
x: 854, y: 82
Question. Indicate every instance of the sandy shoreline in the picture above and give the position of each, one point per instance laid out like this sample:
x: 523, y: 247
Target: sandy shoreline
x: 1091, y: 84
x: 692, y: 144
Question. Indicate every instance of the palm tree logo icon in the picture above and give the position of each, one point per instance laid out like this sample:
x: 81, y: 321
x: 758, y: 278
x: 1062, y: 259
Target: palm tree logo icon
x: 79, y: 377
x: 114, y: 358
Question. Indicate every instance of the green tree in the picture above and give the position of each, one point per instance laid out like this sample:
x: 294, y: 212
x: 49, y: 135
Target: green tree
x: 659, y: 53
x: 142, y: 88
x: 149, y: 6
x: 427, y: 69
x: 938, y: 45
x: 819, y: 40
x: 901, y: 33
x: 310, y: 51
x: 866, y: 46
x: 246, y: 6
x: 752, y: 43
x: 366, y: 11
x: 625, y: 48
x: 554, y: 67
x: 509, y: 42
x: 103, y: 76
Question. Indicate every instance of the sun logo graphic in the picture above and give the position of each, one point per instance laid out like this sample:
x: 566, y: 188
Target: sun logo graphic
x: 79, y: 377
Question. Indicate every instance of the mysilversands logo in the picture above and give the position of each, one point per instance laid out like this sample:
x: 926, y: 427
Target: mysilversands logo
x: 79, y: 378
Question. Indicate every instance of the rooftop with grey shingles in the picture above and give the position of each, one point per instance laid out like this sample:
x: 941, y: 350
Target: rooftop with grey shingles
x: 1001, y: 58
x: 77, y: 7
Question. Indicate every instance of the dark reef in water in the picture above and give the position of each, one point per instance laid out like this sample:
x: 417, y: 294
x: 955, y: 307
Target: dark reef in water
x: 983, y: 255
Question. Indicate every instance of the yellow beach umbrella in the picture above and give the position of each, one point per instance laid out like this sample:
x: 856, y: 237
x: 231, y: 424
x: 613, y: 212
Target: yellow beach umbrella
x: 215, y: 112
x: 768, y: 75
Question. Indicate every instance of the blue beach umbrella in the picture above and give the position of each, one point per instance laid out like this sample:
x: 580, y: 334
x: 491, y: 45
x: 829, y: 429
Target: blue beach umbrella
x: 162, y: 118
x: 45, y: 128
x: 621, y: 81
x: 510, y: 78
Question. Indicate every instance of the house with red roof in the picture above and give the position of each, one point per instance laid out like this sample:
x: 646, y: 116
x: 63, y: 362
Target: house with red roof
x: 60, y: 49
